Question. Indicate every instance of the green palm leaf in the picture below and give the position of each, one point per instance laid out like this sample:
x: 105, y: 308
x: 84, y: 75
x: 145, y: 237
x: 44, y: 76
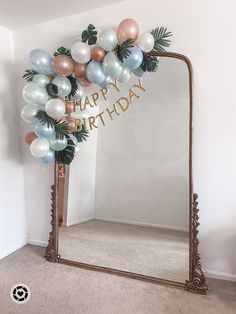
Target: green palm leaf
x: 29, y: 75
x: 160, y: 35
x: 81, y: 135
x: 66, y: 155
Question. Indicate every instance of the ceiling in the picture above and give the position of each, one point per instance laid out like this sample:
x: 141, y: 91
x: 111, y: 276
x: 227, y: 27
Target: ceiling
x: 18, y: 14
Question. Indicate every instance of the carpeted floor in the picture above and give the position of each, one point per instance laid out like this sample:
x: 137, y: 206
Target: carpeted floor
x: 149, y: 251
x: 61, y: 289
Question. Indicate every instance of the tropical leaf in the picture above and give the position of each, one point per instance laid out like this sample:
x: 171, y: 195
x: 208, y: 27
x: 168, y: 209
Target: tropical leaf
x: 122, y: 51
x: 52, y: 90
x: 66, y: 155
x: 29, y: 75
x: 81, y: 135
x: 160, y: 35
x: 150, y: 63
x: 62, y: 51
x: 61, y: 129
x: 89, y: 35
x: 42, y: 116
x: 74, y: 86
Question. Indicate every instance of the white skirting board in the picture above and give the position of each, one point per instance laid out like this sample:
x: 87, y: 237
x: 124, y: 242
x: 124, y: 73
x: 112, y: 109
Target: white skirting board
x: 219, y: 275
x: 37, y: 242
x: 76, y: 222
x: 143, y: 224
x: 12, y: 249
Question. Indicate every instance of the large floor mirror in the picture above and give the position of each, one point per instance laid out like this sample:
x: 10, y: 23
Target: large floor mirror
x: 126, y: 203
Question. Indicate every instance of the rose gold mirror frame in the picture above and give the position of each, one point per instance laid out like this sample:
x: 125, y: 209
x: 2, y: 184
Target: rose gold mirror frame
x: 197, y: 281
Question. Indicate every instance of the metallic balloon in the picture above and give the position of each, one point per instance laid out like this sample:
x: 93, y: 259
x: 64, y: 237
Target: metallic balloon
x: 111, y: 65
x: 139, y: 72
x: 39, y: 147
x: 35, y: 94
x: 108, y: 39
x: 70, y: 106
x: 127, y: 29
x: 107, y: 81
x: 84, y: 82
x: 30, y: 136
x: 124, y: 76
x: 63, y: 85
x: 71, y: 125
x: 80, y: 70
x: 80, y: 52
x: 63, y: 65
x: 41, y: 79
x: 41, y: 61
x: 50, y: 157
x: 146, y: 42
x: 55, y: 108
x: 44, y: 130
x: 95, y: 73
x: 28, y: 113
x: 134, y: 59
x: 79, y: 93
x: 97, y: 54
x: 58, y: 144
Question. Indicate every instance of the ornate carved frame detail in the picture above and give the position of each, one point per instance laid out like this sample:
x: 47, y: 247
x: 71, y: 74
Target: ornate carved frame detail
x: 197, y: 281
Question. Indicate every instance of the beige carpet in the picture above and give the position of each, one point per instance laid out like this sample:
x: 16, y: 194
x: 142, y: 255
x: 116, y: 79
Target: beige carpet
x: 61, y: 289
x: 149, y: 251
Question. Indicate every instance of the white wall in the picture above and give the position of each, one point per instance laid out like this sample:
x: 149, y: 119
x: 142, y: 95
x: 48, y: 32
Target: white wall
x: 13, y: 227
x: 204, y: 32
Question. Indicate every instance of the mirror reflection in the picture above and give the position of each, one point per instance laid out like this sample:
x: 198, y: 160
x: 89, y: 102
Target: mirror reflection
x: 124, y: 202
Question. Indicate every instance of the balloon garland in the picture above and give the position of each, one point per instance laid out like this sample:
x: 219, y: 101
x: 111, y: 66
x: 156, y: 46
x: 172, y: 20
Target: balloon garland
x: 56, y: 83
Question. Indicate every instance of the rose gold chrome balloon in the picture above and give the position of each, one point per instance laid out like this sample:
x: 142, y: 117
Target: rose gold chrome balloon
x: 97, y: 54
x: 71, y: 125
x: 63, y: 65
x: 127, y: 29
x: 30, y: 137
x: 80, y: 70
x: 70, y: 107
x: 84, y: 82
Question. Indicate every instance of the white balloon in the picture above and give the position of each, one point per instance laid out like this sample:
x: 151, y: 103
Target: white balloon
x: 55, y: 108
x: 39, y: 147
x: 124, y: 76
x: 80, y: 52
x: 146, y: 42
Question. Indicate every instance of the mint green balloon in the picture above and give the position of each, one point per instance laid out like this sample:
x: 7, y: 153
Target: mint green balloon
x: 35, y: 94
x: 28, y: 113
x: 58, y: 144
x: 63, y: 85
x: 108, y: 39
x: 111, y: 65
x: 41, y: 79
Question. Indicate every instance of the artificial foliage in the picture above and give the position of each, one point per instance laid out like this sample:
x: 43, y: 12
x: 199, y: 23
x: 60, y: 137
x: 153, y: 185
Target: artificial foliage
x: 89, y: 35
x: 66, y: 155
x: 29, y: 75
x: 122, y: 51
x: 73, y: 87
x: 81, y: 135
x: 161, y: 40
x: 62, y: 51
x: 52, y: 90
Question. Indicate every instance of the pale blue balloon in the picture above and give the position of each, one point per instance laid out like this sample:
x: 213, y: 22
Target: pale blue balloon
x: 50, y: 157
x: 58, y: 144
x: 41, y: 61
x: 134, y: 59
x: 95, y: 72
x: 63, y: 85
x: 111, y: 65
x: 41, y: 79
x: 107, y: 81
x: 44, y: 130
x: 35, y: 94
x: 139, y: 72
x: 108, y: 39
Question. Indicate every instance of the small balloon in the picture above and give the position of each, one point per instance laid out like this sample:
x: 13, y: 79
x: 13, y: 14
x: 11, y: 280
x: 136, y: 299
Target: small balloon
x: 134, y: 59
x: 58, y: 144
x: 127, y: 29
x: 95, y: 73
x: 41, y: 61
x: 84, y: 82
x: 146, y: 42
x: 106, y: 82
x: 108, y: 39
x: 28, y: 113
x: 79, y: 92
x: 55, y: 108
x: 63, y: 85
x: 35, y: 94
x: 98, y: 54
x: 44, y: 130
x: 30, y: 136
x: 139, y: 72
x: 80, y: 52
x: 111, y: 65
x: 80, y: 70
x: 50, y: 157
x: 63, y: 65
x: 70, y: 106
x: 124, y: 76
x: 39, y: 147
x: 71, y: 125
x: 41, y: 79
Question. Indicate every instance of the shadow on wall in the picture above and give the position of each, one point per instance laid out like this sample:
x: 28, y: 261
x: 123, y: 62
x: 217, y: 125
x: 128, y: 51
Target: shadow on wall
x: 9, y: 116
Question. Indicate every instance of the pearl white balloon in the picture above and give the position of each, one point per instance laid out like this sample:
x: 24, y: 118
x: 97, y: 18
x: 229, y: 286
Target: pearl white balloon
x: 111, y: 65
x: 146, y: 42
x: 39, y: 147
x: 55, y: 108
x: 80, y: 52
x: 124, y: 76
x: 108, y: 39
x: 35, y: 94
x: 63, y: 85
x: 28, y: 113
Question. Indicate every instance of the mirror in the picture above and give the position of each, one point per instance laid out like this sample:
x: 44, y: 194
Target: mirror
x: 125, y: 203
